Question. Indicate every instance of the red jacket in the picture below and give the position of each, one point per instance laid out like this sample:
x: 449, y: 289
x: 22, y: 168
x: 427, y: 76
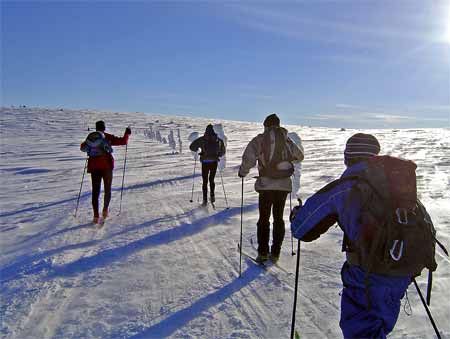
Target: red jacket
x: 105, y: 162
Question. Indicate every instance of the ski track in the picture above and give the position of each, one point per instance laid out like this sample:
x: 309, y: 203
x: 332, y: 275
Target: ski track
x: 166, y: 267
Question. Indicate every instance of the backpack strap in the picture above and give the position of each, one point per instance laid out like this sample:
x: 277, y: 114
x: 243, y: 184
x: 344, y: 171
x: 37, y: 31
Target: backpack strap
x: 371, y: 261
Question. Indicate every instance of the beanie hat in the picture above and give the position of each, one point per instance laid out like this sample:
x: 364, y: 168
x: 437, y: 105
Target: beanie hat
x: 272, y: 120
x: 209, y: 130
x: 361, y: 145
x: 100, y: 126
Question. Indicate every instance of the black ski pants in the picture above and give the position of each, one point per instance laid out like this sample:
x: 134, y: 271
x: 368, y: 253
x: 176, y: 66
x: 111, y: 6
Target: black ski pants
x: 271, y: 201
x: 97, y: 177
x: 209, y: 170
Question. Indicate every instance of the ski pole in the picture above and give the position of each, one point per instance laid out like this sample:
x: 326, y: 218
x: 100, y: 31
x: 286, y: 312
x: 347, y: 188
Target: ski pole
x: 240, y: 241
x: 193, y: 180
x: 295, y: 292
x: 427, y: 309
x: 290, y: 211
x: 123, y: 178
x: 224, y: 193
x: 81, y: 186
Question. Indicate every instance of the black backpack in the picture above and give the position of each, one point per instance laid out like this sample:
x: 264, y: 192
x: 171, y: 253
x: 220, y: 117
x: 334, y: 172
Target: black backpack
x: 97, y: 145
x: 280, y: 164
x: 397, y: 236
x: 211, y: 147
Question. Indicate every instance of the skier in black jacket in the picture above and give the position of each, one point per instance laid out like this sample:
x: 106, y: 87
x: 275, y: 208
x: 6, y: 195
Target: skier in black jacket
x: 212, y: 148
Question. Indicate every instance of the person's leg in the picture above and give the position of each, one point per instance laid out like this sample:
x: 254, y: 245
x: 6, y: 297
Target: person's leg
x: 263, y: 230
x: 357, y: 320
x: 96, y: 178
x: 107, y: 183
x: 279, y: 201
x: 212, y: 175
x: 205, y: 171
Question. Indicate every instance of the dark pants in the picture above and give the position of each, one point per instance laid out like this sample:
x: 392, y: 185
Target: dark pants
x: 97, y: 177
x: 271, y: 201
x: 209, y: 169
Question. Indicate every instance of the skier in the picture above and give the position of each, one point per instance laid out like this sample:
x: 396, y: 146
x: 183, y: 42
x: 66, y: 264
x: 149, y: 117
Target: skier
x: 212, y: 148
x: 101, y: 163
x: 274, y: 151
x: 370, y: 302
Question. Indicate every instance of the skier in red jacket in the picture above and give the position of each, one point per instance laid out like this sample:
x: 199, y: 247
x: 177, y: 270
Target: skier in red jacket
x: 101, y: 163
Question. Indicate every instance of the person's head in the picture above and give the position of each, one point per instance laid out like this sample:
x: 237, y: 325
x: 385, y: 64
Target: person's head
x: 360, y: 147
x: 100, y: 126
x: 209, y: 131
x: 271, y: 121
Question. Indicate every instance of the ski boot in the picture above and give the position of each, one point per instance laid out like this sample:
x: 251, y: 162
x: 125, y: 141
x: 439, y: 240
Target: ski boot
x: 262, y: 258
x: 274, y: 257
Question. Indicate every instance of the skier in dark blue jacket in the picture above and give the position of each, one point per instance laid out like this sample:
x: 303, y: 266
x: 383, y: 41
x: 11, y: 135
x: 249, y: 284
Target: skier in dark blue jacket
x: 359, y: 317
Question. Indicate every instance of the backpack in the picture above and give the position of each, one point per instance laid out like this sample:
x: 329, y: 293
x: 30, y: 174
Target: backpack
x: 280, y: 164
x: 211, y: 148
x: 97, y: 145
x: 397, y: 237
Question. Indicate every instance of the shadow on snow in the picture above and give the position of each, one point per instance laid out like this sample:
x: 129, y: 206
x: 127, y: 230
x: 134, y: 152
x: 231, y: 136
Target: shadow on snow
x: 180, y: 318
x: 87, y: 194
x: 109, y: 256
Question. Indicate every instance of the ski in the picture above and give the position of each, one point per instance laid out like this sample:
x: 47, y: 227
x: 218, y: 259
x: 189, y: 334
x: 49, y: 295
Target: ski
x: 266, y: 264
x: 99, y: 224
x: 276, y: 264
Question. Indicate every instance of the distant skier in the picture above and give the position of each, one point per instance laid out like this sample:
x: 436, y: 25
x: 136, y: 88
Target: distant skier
x: 212, y: 149
x: 218, y: 128
x: 101, y: 163
x: 387, y: 234
x: 275, y: 153
x: 172, y: 142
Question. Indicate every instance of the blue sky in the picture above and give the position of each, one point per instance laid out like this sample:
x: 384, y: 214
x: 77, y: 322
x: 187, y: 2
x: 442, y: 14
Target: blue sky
x: 321, y: 63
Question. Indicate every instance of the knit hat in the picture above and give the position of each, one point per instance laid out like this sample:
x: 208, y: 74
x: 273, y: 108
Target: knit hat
x: 361, y: 145
x: 100, y: 126
x: 209, y: 130
x: 272, y: 120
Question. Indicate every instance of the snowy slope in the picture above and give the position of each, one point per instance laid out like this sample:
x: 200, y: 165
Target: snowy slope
x: 166, y: 267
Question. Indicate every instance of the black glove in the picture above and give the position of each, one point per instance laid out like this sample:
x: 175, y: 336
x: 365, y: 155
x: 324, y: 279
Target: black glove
x: 294, y: 211
x: 128, y: 130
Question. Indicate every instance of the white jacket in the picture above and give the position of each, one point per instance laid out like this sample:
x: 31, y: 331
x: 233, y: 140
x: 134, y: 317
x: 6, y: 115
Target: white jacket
x: 254, y: 154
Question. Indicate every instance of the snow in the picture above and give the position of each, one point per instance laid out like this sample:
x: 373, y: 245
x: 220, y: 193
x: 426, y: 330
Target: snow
x: 166, y: 267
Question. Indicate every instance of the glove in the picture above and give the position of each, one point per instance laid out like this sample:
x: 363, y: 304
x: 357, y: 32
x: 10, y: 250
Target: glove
x: 294, y: 212
x: 128, y: 130
x: 240, y: 175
